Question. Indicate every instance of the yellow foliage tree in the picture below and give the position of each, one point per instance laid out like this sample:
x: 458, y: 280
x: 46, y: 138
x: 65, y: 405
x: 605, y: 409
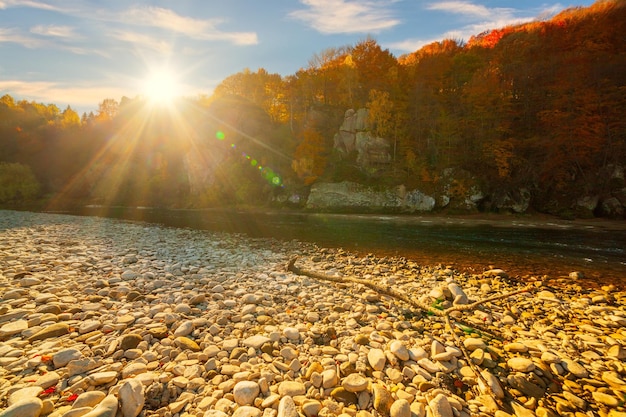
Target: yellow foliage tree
x: 310, y: 157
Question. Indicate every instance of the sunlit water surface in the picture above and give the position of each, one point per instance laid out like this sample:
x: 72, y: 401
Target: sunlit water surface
x: 520, y: 247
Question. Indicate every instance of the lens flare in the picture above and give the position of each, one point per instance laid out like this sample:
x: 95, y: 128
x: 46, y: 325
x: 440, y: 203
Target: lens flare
x: 267, y: 173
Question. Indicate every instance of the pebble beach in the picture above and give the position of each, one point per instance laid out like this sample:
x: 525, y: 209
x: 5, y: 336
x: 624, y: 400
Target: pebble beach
x: 106, y: 318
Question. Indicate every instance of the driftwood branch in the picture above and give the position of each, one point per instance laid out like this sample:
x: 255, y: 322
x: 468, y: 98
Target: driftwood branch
x: 402, y: 296
x: 388, y: 290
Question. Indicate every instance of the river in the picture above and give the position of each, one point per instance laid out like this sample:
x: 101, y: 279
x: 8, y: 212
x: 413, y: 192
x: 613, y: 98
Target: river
x: 520, y: 246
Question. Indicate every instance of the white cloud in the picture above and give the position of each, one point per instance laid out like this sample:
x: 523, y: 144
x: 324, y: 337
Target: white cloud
x: 169, y: 20
x: 27, y: 3
x: 31, y: 42
x: 462, y: 7
x: 143, y: 40
x: 479, y: 18
x: 53, y: 30
x: 76, y: 96
x: 14, y: 36
x: 345, y: 16
x: 412, y: 45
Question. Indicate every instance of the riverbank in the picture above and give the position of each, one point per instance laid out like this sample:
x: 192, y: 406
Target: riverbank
x: 99, y: 315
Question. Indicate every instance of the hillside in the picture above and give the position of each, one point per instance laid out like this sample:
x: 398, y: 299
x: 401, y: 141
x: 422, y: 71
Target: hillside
x: 534, y: 110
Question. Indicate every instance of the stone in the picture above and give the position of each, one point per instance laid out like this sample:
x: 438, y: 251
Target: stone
x: 134, y: 369
x: 329, y: 378
x: 418, y: 409
x: 574, y: 400
x: 516, y: 347
x: 89, y: 326
x: 382, y: 399
x: 88, y: 399
x: 160, y: 332
x: 440, y: 406
x: 23, y: 394
x: 214, y: 413
x: 613, y: 379
x: 106, y: 408
x: 101, y: 378
x: 29, y: 407
x: 521, y: 364
x: 186, y: 343
x: 340, y: 394
x: 245, y: 392
x: 270, y: 401
x: 256, y: 341
x: 291, y: 333
x: 291, y: 388
x: 605, y: 399
x: 525, y: 386
x: 130, y: 341
x: 131, y: 398
x: 399, y: 350
x: 12, y: 328
x: 473, y: 343
x: 575, y: 368
x: 53, y: 330
x: 400, y: 408
x: 247, y: 411
x: 80, y: 366
x: 377, y: 359
x: 184, y: 329
x: 520, y: 410
x: 458, y: 295
x: 287, y: 407
x: 493, y: 384
x: 617, y: 352
x: 63, y: 357
x: 549, y: 357
x: 355, y: 383
x: 47, y: 380
x: 311, y: 408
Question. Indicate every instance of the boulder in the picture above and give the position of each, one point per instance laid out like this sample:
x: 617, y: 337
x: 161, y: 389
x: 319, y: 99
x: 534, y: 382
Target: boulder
x: 516, y: 201
x: 459, y: 189
x: 586, y: 205
x: 611, y: 207
x: 352, y: 196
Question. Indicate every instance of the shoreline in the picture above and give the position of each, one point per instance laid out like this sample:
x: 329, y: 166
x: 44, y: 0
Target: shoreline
x: 101, y: 315
x: 534, y: 219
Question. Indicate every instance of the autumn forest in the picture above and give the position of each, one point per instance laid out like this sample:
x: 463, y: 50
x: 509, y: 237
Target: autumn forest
x: 539, y: 107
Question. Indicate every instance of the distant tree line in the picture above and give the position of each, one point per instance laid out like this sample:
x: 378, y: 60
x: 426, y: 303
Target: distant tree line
x: 539, y: 105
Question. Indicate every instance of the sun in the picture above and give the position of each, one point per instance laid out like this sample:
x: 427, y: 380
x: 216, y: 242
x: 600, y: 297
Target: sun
x: 161, y: 87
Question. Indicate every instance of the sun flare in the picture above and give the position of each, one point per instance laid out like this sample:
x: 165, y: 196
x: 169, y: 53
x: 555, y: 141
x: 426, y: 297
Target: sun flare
x: 161, y: 87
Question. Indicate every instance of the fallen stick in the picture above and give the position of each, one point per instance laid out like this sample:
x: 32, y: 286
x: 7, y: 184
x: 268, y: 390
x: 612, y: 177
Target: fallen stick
x: 445, y: 313
x: 388, y: 290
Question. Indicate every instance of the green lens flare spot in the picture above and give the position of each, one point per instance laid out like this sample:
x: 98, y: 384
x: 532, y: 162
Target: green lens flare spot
x: 220, y: 135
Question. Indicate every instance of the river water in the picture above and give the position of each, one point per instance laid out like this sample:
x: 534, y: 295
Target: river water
x: 522, y: 247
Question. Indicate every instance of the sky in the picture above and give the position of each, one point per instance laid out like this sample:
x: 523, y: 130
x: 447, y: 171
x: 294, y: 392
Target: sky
x: 80, y: 52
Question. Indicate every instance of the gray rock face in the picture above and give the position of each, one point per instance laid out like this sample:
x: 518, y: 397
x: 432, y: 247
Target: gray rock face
x: 349, y: 195
x: 354, y: 135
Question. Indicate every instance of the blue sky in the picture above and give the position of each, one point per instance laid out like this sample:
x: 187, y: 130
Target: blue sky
x: 77, y: 53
